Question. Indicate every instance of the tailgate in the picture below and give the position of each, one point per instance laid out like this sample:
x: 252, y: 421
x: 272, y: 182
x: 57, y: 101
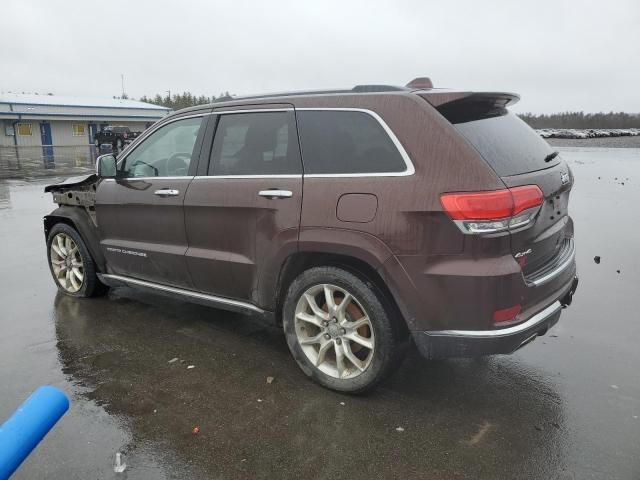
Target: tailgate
x: 548, y: 238
x: 519, y: 156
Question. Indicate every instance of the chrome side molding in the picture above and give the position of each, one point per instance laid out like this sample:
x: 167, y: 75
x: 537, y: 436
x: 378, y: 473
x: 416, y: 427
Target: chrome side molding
x: 222, y: 302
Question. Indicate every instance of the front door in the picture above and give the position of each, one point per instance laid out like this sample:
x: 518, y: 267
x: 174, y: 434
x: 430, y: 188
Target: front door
x: 93, y: 129
x: 140, y: 213
x: 48, y: 158
x: 242, y: 212
x: 45, y: 134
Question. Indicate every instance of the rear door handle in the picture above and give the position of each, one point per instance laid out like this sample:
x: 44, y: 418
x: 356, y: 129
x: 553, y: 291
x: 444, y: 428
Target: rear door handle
x: 275, y: 193
x: 167, y: 192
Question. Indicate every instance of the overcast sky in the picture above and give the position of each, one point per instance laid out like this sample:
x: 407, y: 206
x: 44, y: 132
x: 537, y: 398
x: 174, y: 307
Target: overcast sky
x: 580, y: 55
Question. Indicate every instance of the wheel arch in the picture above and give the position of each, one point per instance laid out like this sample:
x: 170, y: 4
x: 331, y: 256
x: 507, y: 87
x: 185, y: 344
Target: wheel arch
x: 78, y: 219
x: 298, y: 262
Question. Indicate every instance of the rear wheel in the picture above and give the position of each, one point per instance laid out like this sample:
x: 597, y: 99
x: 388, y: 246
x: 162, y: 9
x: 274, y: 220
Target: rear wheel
x: 339, y: 331
x: 70, y: 263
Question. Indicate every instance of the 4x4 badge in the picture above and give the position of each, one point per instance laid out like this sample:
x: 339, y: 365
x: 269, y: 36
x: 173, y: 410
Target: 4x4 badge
x: 564, y: 178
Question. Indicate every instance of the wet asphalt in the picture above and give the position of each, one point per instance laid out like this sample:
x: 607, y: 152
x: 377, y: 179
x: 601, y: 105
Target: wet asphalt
x: 566, y: 406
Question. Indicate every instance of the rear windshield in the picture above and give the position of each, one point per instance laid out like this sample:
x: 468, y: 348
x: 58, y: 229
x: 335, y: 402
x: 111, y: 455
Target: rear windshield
x: 508, y: 144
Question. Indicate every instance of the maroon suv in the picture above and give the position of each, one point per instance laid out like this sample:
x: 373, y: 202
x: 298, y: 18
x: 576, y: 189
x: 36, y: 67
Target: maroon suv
x: 357, y: 219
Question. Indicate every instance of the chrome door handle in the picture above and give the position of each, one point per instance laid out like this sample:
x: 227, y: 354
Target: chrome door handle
x: 167, y: 192
x: 275, y: 193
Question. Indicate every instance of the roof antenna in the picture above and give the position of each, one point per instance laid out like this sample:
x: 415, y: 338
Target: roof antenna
x: 122, y: 81
x: 420, y: 83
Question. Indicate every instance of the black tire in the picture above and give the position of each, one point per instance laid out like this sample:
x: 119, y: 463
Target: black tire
x: 90, y: 285
x: 388, y: 340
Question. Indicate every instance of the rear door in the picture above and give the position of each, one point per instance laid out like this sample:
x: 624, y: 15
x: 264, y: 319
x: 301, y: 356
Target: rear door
x: 521, y: 157
x: 140, y: 213
x: 242, y: 211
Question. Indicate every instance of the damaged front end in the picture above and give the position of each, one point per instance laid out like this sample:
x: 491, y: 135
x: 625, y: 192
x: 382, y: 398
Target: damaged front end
x: 76, y: 192
x: 76, y: 199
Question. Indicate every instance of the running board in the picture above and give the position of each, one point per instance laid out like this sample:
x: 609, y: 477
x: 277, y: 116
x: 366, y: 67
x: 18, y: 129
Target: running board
x: 196, y: 297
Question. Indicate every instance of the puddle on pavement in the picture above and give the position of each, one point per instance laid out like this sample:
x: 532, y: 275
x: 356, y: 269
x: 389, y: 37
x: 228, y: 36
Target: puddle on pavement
x: 548, y: 411
x: 26, y: 163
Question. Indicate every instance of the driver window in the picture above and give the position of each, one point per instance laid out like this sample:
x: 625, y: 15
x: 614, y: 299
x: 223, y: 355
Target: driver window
x: 166, y: 152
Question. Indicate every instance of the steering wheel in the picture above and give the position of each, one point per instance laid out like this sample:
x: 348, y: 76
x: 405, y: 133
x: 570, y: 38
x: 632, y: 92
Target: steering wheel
x: 178, y: 161
x: 140, y: 162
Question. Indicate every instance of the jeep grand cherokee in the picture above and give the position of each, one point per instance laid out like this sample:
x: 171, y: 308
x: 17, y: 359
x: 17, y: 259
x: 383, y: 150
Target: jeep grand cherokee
x: 360, y: 220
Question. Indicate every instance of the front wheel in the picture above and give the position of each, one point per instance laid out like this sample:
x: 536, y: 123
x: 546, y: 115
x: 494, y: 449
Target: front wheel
x: 339, y: 331
x: 70, y: 263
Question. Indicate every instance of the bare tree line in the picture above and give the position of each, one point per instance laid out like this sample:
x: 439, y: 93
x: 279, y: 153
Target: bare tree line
x: 579, y: 120
x: 177, y: 101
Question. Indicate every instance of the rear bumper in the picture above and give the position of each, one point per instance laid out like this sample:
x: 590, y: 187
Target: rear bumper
x: 474, y: 343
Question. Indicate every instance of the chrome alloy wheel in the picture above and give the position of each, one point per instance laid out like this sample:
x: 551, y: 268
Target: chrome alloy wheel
x: 66, y: 263
x: 334, y: 331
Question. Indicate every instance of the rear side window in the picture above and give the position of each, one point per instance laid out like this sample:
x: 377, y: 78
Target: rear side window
x: 337, y: 142
x: 508, y: 144
x: 262, y: 143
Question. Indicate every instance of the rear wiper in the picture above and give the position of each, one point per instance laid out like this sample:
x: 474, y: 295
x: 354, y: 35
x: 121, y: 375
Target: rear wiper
x: 551, y: 156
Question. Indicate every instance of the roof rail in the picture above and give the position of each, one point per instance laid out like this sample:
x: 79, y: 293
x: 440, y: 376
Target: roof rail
x: 376, y: 88
x: 227, y: 98
x: 356, y: 89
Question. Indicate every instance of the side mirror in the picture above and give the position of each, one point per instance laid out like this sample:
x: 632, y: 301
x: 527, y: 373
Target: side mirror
x: 106, y: 166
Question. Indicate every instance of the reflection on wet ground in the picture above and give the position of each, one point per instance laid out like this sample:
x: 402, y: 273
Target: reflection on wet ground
x: 35, y: 162
x: 566, y: 406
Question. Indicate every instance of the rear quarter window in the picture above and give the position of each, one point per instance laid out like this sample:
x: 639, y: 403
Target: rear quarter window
x: 339, y: 142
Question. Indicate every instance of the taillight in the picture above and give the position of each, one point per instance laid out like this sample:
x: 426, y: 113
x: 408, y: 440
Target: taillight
x: 493, y: 211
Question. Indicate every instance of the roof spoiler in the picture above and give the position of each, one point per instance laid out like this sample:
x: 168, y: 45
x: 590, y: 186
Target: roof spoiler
x: 461, y: 107
x: 497, y: 99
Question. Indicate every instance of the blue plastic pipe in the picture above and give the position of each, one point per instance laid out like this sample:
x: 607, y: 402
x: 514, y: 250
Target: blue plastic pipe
x: 28, y: 425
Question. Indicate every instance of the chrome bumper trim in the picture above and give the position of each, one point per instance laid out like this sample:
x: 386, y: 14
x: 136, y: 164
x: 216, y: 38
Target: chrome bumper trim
x: 564, y: 261
x: 503, y: 332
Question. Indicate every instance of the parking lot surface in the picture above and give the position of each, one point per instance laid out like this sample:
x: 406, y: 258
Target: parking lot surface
x: 565, y: 406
